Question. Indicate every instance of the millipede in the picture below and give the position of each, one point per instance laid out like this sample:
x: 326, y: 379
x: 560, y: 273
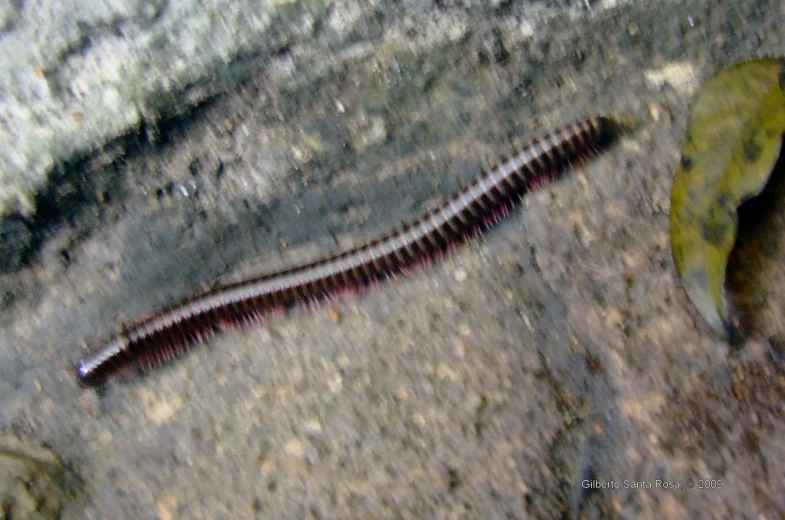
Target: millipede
x: 152, y: 341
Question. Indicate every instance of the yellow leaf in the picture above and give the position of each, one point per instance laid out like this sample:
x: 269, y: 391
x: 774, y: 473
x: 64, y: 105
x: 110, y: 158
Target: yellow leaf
x: 733, y: 139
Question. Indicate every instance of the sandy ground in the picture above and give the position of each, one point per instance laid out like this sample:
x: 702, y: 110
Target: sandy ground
x: 556, y: 350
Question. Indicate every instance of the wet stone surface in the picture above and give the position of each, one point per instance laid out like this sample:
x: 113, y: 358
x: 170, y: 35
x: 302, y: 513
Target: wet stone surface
x: 555, y: 350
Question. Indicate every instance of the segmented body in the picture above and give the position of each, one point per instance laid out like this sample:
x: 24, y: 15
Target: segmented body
x: 154, y: 340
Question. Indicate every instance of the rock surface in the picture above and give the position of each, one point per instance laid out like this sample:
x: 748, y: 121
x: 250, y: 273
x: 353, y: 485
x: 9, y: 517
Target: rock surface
x: 33, y: 481
x: 557, y: 349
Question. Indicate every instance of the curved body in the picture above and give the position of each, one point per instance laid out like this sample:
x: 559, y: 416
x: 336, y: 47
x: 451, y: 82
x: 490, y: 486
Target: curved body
x: 154, y: 340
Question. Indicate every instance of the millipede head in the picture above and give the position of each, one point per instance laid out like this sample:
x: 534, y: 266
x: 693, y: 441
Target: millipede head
x: 87, y: 378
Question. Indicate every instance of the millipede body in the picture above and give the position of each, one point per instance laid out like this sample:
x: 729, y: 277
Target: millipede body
x: 154, y: 340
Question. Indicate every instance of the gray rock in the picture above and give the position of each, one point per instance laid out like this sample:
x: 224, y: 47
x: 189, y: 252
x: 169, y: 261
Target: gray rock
x: 74, y: 74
